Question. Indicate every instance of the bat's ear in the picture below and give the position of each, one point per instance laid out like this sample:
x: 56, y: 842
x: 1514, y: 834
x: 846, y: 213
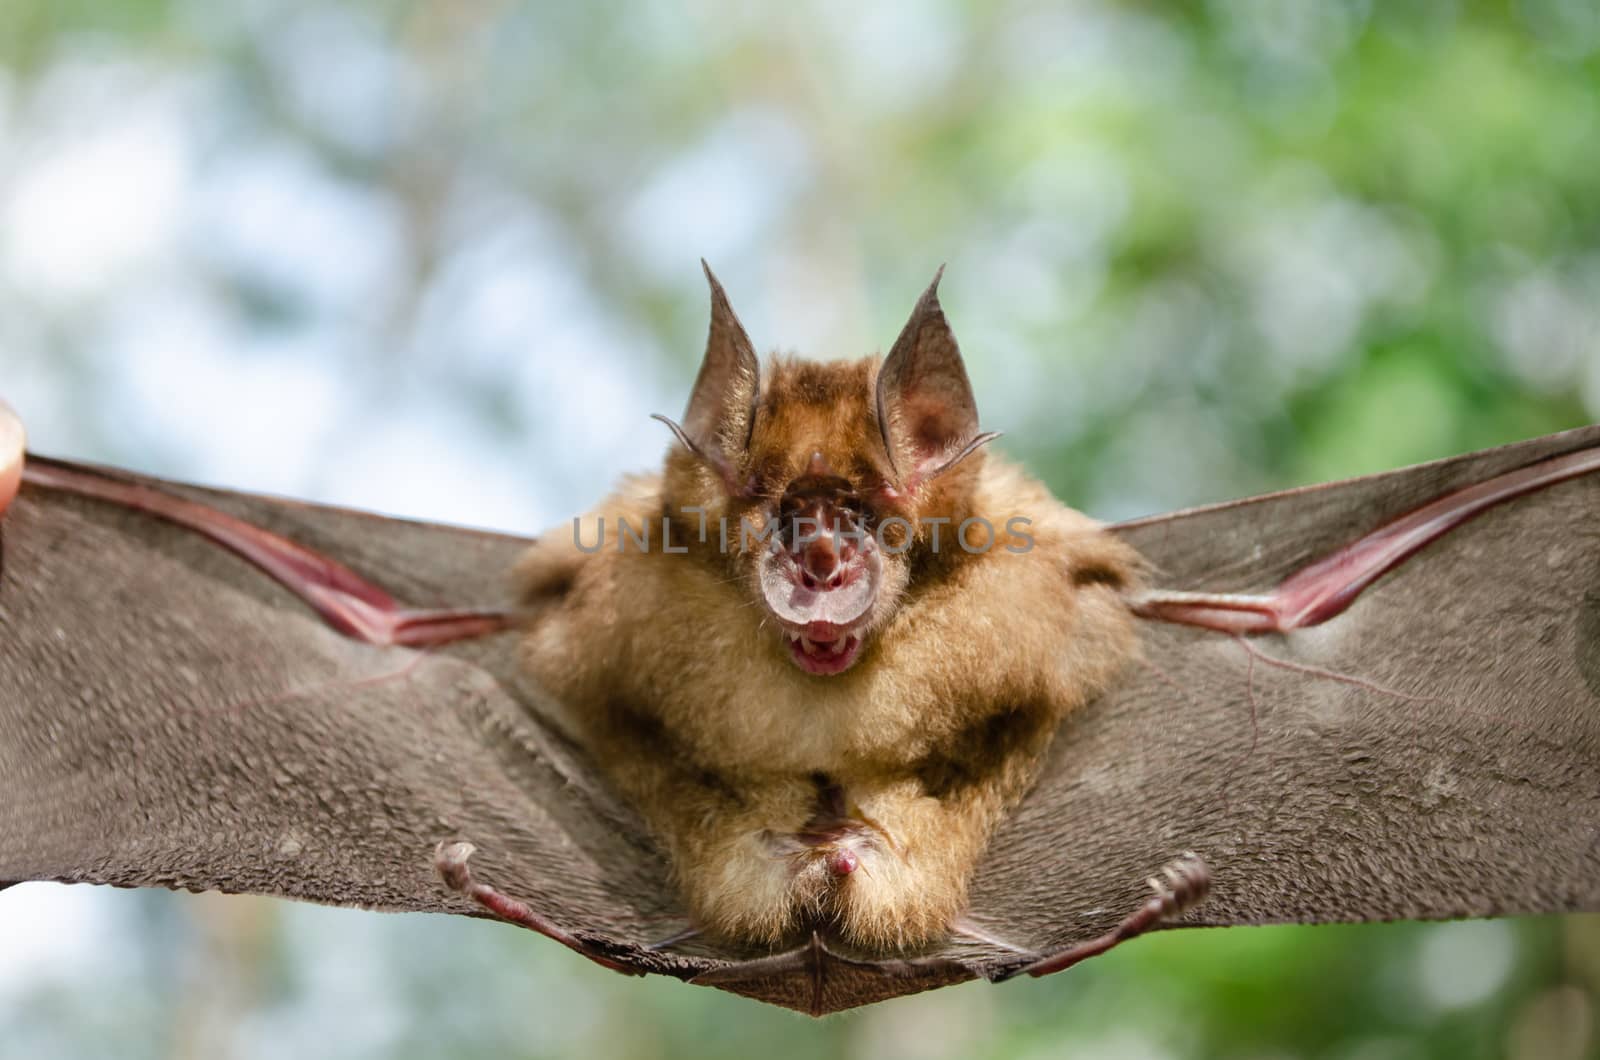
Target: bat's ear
x: 926, y: 410
x: 722, y: 407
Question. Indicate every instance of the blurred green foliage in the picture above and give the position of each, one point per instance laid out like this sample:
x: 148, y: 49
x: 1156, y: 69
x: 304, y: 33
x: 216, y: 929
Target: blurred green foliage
x: 1196, y: 251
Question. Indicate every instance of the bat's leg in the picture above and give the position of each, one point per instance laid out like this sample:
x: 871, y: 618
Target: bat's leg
x: 1181, y: 886
x: 451, y: 861
x: 1324, y: 589
x: 345, y: 600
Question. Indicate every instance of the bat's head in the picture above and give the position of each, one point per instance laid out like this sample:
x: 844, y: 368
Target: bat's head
x: 818, y: 480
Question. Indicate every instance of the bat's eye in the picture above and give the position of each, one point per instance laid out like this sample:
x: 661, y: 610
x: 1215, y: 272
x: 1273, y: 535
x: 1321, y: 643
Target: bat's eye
x: 858, y: 512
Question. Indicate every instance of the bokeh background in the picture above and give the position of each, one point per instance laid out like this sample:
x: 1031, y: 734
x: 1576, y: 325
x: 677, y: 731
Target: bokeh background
x: 439, y: 259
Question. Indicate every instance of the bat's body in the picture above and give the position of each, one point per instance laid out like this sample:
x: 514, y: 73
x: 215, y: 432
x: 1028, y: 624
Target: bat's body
x: 864, y: 797
x: 849, y: 780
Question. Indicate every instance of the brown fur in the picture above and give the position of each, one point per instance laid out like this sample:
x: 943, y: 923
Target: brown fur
x: 752, y: 771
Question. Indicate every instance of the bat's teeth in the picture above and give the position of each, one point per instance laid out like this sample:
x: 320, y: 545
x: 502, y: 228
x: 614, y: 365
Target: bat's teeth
x: 810, y: 648
x: 794, y: 638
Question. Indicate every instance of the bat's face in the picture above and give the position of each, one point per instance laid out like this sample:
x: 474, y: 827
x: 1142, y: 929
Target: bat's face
x: 820, y: 494
x: 823, y: 474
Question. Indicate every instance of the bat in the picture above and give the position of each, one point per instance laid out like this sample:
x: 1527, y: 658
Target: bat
x: 1367, y: 700
x: 838, y: 645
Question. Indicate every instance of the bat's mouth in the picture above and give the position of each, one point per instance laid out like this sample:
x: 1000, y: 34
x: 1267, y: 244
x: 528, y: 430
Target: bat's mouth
x: 823, y: 625
x: 823, y: 649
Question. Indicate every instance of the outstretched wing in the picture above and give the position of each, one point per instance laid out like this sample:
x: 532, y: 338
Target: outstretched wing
x: 170, y: 716
x: 1433, y: 751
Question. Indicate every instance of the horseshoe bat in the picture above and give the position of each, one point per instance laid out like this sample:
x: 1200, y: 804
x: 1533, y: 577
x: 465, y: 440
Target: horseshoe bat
x: 839, y: 643
x: 1367, y: 700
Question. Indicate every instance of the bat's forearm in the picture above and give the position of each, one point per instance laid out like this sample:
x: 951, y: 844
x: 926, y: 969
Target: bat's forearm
x: 1324, y: 589
x: 343, y: 599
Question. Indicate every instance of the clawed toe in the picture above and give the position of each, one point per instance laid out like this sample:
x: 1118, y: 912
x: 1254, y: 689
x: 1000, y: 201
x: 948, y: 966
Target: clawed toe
x: 1182, y: 885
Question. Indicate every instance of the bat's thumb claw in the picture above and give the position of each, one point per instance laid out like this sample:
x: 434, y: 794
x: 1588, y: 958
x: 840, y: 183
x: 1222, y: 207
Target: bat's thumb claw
x: 12, y: 443
x: 450, y: 858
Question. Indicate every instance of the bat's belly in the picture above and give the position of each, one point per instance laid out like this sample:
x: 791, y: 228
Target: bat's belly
x: 807, y: 734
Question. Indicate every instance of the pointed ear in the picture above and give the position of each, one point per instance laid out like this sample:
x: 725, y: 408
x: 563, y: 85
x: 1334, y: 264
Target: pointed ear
x: 926, y: 410
x: 722, y: 407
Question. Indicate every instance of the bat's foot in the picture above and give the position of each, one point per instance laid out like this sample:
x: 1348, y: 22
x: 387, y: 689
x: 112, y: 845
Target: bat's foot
x: 451, y: 858
x: 451, y: 861
x: 1180, y: 886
